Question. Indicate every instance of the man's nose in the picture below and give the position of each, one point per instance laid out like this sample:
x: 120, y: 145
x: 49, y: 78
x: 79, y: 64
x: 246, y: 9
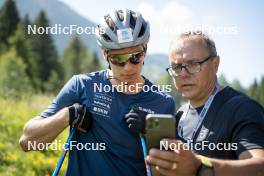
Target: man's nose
x: 128, y: 66
x: 184, y: 72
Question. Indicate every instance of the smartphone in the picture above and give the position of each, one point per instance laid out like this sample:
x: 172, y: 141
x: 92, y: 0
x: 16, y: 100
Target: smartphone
x: 159, y: 126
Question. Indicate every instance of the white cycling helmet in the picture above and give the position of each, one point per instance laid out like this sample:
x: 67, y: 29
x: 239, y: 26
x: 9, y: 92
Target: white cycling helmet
x: 122, y: 29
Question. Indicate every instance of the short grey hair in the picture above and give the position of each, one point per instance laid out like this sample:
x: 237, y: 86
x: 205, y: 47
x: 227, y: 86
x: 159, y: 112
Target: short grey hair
x: 210, y: 44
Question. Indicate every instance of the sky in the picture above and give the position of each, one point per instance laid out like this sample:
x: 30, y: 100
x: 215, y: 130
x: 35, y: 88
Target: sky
x: 236, y: 27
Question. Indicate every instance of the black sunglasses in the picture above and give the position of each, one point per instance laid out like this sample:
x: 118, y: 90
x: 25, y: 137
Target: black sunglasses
x: 122, y: 59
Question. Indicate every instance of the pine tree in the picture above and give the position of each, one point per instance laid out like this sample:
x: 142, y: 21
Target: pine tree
x: 222, y: 80
x: 261, y: 91
x: 26, y: 22
x: 72, y: 56
x: 13, y: 78
x: 45, y: 52
x: 22, y: 45
x: 9, y: 19
x: 78, y: 59
x: 237, y: 85
x: 252, y: 91
x: 95, y: 64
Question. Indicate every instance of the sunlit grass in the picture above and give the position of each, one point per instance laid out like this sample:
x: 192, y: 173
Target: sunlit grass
x: 14, y: 113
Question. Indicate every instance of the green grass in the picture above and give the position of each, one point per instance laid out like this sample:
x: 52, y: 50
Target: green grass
x: 14, y: 113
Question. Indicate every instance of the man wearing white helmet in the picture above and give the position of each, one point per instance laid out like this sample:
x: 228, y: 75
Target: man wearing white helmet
x: 107, y: 115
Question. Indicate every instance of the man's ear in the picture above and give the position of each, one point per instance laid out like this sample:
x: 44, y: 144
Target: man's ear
x: 216, y: 63
x: 104, y: 53
x: 145, y: 45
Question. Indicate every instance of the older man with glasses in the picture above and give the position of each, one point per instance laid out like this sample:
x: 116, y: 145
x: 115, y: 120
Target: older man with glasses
x: 220, y: 131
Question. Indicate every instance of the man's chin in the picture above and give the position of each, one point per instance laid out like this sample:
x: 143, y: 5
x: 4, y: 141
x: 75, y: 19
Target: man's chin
x: 129, y: 78
x: 126, y: 80
x: 188, y: 94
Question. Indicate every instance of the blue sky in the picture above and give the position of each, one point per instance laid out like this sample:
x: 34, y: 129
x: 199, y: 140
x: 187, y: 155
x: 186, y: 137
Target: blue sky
x: 238, y: 28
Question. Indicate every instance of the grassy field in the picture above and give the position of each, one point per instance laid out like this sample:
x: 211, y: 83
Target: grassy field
x: 13, y: 161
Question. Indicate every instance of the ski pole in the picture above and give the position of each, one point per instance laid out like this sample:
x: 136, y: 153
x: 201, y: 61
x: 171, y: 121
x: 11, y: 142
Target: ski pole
x: 64, y: 152
x: 144, y: 148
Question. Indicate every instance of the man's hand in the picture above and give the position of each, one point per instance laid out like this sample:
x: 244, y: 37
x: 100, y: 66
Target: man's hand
x: 180, y: 162
x: 80, y: 117
x: 136, y: 120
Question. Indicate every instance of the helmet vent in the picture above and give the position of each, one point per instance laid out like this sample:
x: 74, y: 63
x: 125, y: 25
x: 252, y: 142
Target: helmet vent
x: 110, y: 23
x: 120, y: 15
x: 106, y: 37
x: 142, y: 30
x: 133, y: 20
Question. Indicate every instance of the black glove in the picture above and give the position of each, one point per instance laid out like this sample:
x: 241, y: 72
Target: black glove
x: 80, y: 117
x: 136, y: 120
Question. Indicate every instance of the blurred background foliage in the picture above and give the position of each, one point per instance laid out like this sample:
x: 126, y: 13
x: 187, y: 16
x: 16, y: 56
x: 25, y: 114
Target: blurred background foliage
x: 13, y: 161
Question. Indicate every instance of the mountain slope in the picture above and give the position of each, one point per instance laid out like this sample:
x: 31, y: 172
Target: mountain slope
x: 58, y: 13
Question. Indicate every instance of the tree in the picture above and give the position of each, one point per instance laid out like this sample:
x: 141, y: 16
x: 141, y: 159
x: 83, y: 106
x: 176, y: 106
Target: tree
x: 256, y: 91
x: 72, y: 57
x: 261, y: 91
x: 93, y: 63
x: 22, y: 45
x: 8, y: 20
x: 52, y: 84
x: 77, y: 59
x: 222, y: 80
x: 14, y: 81
x: 166, y: 80
x: 3, y: 48
x: 237, y: 85
x: 25, y: 21
x: 45, y: 52
x: 253, y: 90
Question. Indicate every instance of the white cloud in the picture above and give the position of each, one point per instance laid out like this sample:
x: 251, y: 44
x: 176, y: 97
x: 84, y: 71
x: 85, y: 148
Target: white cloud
x: 175, y: 11
x: 171, y: 12
x: 147, y: 11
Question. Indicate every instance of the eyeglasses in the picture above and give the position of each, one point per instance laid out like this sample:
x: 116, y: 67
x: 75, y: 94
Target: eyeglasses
x: 192, y: 68
x: 122, y: 59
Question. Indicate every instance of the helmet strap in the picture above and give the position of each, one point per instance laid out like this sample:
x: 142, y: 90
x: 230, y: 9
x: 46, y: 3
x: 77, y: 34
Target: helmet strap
x: 109, y: 66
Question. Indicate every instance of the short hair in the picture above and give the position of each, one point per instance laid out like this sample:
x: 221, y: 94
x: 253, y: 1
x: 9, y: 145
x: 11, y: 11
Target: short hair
x: 210, y: 44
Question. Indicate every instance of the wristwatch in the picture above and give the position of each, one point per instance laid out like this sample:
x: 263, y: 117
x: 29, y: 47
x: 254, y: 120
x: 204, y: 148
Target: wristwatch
x: 206, y: 168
